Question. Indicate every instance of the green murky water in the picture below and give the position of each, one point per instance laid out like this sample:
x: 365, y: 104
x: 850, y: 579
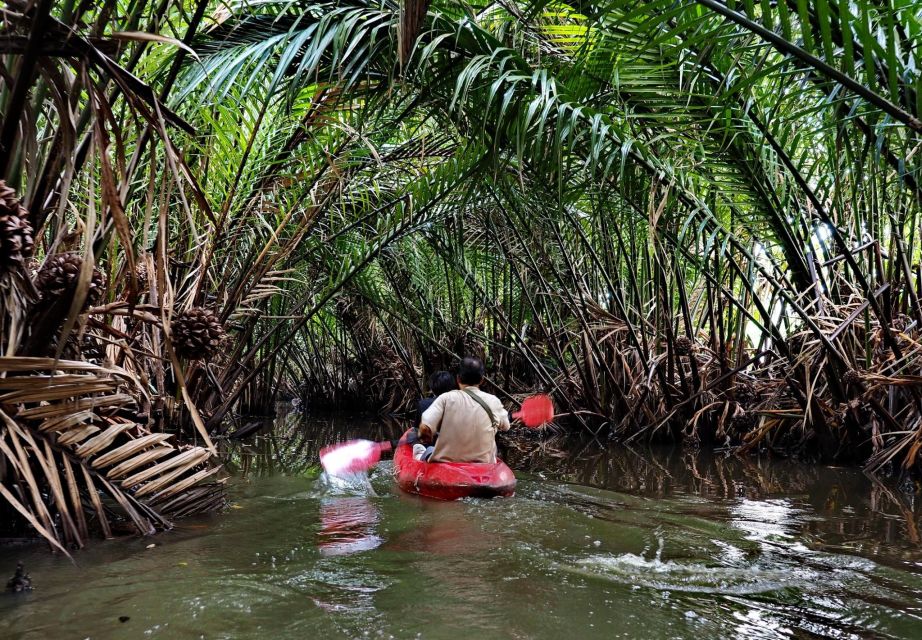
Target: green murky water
x: 597, y: 543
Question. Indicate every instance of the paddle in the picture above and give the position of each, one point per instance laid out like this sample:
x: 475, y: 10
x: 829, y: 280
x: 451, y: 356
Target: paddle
x: 353, y: 456
x: 361, y: 455
x: 535, y: 411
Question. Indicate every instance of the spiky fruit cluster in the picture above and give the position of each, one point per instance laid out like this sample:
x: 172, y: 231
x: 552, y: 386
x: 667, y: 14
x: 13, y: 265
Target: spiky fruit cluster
x: 745, y: 394
x: 851, y: 377
x: 141, y: 275
x: 59, y: 276
x: 683, y: 345
x: 16, y: 242
x: 197, y: 333
x: 744, y: 420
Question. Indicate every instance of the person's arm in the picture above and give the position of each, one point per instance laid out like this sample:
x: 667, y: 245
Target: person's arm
x: 425, y: 434
x: 502, y: 420
x: 431, y: 420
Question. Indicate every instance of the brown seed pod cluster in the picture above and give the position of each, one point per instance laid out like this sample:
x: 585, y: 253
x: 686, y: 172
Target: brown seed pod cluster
x: 746, y: 394
x: 851, y: 377
x: 197, y: 333
x: 683, y: 345
x: 744, y: 420
x: 142, y: 275
x: 60, y: 274
x: 16, y: 241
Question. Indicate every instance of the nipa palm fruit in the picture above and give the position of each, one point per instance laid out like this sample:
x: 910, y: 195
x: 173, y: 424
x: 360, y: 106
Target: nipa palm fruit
x: 745, y: 420
x: 851, y: 377
x: 683, y: 345
x: 141, y: 275
x: 16, y: 242
x: 60, y: 274
x: 745, y: 394
x: 197, y: 333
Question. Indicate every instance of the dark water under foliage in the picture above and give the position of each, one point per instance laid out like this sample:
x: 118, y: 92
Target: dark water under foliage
x: 597, y: 543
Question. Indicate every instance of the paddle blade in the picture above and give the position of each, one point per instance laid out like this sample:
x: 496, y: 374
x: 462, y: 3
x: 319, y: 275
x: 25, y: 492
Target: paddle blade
x: 352, y: 457
x: 535, y: 411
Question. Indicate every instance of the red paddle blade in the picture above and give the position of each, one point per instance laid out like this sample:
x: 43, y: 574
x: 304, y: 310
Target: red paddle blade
x: 535, y: 411
x: 351, y: 457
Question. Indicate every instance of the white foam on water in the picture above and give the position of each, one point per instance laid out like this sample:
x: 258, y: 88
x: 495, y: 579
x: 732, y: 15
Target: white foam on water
x: 693, y: 577
x: 347, y: 484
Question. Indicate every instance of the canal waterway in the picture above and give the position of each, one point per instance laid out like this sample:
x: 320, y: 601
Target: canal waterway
x: 600, y: 541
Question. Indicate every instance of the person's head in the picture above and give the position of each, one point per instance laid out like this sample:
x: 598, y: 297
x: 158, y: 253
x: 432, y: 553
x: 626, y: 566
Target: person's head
x: 440, y: 382
x: 471, y: 371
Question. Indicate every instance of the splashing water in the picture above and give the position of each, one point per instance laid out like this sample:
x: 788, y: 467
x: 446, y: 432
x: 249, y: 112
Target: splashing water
x: 691, y: 577
x: 355, y: 483
x: 351, y: 457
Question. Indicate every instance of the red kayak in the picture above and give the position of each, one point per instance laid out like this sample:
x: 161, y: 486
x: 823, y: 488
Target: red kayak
x: 451, y: 480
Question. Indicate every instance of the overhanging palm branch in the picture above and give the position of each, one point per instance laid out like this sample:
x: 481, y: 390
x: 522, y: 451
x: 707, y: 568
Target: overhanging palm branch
x: 67, y: 437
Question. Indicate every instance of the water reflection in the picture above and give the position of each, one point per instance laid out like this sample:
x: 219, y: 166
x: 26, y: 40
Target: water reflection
x: 599, y: 542
x: 291, y: 442
x: 348, y: 525
x: 840, y: 509
x: 445, y: 529
x: 766, y: 520
x: 852, y: 512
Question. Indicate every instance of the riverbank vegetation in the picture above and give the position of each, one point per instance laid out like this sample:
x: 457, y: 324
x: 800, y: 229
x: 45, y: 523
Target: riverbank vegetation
x: 689, y: 221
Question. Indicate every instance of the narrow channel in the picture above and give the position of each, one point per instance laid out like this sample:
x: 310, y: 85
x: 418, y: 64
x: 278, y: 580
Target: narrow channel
x: 598, y: 542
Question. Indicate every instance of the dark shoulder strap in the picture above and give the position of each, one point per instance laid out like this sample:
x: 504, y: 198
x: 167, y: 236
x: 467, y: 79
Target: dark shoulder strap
x: 473, y: 394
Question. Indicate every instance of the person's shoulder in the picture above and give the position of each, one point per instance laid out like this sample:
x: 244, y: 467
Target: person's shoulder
x: 491, y: 398
x: 448, y: 396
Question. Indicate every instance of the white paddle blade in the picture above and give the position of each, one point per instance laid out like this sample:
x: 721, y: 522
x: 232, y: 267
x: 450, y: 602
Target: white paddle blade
x: 350, y: 457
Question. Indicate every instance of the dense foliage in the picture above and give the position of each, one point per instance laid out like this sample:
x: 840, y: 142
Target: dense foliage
x: 694, y: 220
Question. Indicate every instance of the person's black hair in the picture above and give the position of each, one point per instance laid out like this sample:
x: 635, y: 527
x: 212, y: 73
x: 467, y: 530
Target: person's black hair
x: 441, y: 382
x: 471, y: 371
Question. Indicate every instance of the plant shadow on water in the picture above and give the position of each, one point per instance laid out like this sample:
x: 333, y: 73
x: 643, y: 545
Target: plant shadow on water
x: 599, y: 542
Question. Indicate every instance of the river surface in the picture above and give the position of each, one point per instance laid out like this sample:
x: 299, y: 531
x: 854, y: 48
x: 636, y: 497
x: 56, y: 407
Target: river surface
x: 598, y: 542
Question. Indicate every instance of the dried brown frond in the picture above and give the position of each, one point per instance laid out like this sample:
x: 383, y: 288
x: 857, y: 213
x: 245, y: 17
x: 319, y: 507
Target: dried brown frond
x: 67, y: 435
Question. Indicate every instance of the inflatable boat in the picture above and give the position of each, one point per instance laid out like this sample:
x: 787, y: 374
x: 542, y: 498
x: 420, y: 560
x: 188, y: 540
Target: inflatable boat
x: 451, y: 480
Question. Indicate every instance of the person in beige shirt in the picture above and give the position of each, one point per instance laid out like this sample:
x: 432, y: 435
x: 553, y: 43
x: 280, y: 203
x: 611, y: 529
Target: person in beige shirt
x: 465, y: 420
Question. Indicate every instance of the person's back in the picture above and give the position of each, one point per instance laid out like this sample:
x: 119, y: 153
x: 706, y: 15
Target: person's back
x: 466, y: 420
x: 439, y: 382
